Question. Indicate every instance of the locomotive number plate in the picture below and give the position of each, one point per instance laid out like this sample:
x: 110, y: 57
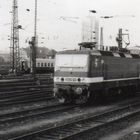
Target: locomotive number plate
x: 69, y: 79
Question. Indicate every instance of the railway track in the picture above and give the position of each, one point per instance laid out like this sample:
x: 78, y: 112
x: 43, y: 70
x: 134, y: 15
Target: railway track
x: 21, y: 91
x: 85, y: 123
x: 26, y: 100
x: 22, y: 87
x: 25, y: 96
x: 36, y: 112
x: 9, y: 120
x: 27, y: 76
x: 14, y: 94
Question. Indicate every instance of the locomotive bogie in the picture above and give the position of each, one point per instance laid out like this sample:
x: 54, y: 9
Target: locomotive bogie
x: 71, y: 93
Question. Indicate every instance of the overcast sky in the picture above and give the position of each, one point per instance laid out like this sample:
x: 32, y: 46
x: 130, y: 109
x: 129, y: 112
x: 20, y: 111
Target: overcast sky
x: 56, y: 33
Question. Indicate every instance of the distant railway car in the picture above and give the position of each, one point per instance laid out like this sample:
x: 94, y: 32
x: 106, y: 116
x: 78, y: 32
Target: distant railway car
x: 42, y: 65
x: 83, y: 75
x: 4, y: 68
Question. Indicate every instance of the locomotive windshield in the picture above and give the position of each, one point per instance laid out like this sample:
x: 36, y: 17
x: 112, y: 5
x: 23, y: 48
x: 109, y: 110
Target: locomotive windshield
x: 65, y: 61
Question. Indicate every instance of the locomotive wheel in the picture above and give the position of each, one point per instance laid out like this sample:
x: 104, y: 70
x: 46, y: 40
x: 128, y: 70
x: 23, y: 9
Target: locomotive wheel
x: 66, y: 101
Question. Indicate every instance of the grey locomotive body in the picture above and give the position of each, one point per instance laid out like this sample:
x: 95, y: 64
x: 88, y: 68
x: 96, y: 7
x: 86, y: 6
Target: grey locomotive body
x: 86, y: 74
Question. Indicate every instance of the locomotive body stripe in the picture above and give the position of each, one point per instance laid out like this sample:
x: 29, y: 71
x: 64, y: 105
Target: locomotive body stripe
x: 122, y: 79
x: 78, y: 79
x: 88, y: 80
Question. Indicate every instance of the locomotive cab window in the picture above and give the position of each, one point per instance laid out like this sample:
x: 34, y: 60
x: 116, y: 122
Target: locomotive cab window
x: 72, y: 62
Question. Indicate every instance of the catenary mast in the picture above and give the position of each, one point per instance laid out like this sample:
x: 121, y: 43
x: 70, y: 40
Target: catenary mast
x: 14, y: 45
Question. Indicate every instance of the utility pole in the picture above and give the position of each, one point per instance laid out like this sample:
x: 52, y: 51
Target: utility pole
x: 35, y: 22
x: 32, y: 56
x: 33, y: 43
x: 101, y: 39
x: 14, y: 48
x: 120, y: 39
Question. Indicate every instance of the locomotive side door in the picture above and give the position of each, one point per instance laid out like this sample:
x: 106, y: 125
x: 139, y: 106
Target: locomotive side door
x: 96, y: 66
x: 104, y: 68
x: 138, y: 69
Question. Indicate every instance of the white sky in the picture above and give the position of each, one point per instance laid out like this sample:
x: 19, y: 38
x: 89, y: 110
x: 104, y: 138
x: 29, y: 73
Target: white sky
x: 58, y: 33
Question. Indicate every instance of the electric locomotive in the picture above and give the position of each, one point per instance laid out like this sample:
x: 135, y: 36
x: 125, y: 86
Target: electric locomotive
x: 83, y: 75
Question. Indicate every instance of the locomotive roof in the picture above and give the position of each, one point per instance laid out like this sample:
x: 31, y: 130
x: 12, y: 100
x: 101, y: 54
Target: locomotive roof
x: 74, y: 52
x: 101, y: 53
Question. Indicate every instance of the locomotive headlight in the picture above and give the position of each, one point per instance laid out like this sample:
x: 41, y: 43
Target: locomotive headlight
x: 78, y: 90
x: 62, y: 79
x: 79, y: 79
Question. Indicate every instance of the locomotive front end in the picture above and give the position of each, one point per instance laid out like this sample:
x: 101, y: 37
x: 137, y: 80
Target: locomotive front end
x: 70, y: 80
